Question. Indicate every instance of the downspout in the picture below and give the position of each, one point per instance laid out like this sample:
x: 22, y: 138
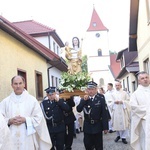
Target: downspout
x: 48, y: 75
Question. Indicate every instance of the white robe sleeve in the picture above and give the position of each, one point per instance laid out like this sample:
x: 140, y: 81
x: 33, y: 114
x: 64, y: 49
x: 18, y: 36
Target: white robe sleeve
x: 30, y: 128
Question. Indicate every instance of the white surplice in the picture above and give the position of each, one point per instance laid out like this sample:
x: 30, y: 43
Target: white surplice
x: 32, y: 135
x: 109, y: 101
x: 140, y: 118
x: 120, y: 112
x: 5, y: 136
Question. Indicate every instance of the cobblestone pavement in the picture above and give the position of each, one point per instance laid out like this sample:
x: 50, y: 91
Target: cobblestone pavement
x: 108, y: 144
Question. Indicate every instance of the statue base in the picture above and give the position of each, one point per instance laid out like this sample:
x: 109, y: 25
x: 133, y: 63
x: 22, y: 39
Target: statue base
x: 76, y: 92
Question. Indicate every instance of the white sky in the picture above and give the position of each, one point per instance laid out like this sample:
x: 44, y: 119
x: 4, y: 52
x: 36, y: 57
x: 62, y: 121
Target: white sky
x: 72, y: 17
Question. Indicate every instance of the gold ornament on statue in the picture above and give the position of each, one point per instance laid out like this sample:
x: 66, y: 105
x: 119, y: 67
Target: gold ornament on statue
x: 74, y: 56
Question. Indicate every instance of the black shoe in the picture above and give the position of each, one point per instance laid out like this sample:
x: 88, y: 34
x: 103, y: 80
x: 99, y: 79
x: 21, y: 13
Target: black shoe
x: 111, y: 131
x: 117, y: 138
x: 124, y: 141
x: 81, y: 129
x: 77, y: 131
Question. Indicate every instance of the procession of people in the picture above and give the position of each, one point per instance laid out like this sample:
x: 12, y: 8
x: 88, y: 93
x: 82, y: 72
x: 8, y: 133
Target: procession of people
x: 26, y: 124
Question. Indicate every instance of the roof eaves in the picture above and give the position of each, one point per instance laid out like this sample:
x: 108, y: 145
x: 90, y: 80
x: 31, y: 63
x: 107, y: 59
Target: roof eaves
x: 121, y: 73
x: 120, y: 53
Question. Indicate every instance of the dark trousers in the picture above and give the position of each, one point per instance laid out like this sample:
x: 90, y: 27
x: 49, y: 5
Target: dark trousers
x: 92, y: 141
x: 69, y: 136
x: 57, y: 140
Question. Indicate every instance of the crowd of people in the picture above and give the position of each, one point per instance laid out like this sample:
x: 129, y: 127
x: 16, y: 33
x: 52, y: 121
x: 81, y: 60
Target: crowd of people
x: 51, y: 125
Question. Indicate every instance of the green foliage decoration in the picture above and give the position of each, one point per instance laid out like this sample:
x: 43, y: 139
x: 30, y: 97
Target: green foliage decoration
x: 70, y: 82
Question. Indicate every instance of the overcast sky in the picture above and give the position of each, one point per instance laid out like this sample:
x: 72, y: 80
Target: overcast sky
x: 72, y: 17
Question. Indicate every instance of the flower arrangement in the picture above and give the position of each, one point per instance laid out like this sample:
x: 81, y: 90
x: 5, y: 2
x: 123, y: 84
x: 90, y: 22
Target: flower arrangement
x: 70, y: 82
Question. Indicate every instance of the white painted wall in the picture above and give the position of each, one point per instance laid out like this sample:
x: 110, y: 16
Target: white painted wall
x: 44, y: 40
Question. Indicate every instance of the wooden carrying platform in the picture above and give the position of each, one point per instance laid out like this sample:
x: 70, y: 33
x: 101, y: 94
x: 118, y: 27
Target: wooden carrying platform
x: 67, y: 95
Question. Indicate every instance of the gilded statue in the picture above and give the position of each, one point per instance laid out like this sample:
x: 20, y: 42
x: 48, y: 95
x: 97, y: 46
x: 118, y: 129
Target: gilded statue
x: 74, y: 56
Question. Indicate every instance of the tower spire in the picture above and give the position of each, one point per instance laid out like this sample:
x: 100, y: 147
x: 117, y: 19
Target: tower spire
x: 96, y: 24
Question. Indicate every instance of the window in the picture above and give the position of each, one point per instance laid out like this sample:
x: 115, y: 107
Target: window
x: 56, y: 81
x: 123, y: 84
x: 54, y: 47
x: 59, y: 81
x: 147, y: 65
x: 23, y: 74
x: 57, y: 50
x: 128, y: 84
x: 133, y: 86
x: 99, y: 52
x: 94, y: 24
x: 52, y: 80
x: 39, y: 87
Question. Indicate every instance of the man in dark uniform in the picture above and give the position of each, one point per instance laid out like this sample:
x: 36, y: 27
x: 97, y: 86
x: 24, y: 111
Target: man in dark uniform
x: 69, y: 122
x: 96, y: 117
x: 53, y: 111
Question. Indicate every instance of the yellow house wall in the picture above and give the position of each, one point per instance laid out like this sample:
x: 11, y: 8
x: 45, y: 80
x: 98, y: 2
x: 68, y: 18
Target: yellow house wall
x: 15, y: 55
x: 143, y: 35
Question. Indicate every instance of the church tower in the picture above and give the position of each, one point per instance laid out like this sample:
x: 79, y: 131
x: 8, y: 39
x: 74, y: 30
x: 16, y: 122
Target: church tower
x: 96, y: 47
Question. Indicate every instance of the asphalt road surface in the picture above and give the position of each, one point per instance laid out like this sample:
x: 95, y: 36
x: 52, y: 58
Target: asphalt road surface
x: 108, y: 143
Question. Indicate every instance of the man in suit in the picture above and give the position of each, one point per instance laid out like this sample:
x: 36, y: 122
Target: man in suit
x: 96, y: 117
x: 53, y: 111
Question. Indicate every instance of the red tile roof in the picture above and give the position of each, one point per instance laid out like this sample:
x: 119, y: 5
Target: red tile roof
x: 114, y: 65
x: 32, y: 27
x: 96, y: 23
x: 36, y: 29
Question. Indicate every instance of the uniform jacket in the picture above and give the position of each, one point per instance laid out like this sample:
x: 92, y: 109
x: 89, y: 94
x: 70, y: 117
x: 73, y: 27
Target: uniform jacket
x: 95, y: 113
x: 53, y: 113
x: 69, y: 116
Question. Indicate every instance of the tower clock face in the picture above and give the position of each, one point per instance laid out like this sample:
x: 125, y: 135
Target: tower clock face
x: 97, y: 35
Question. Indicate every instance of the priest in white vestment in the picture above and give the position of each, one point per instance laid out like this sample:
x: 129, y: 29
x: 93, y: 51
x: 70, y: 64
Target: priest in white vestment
x: 5, y: 136
x: 140, y: 114
x: 120, y: 113
x: 109, y: 101
x: 25, y: 119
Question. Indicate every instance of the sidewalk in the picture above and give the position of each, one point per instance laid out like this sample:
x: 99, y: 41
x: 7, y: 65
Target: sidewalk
x: 108, y: 139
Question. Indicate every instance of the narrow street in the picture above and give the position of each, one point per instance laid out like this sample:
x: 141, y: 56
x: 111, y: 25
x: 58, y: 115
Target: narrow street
x: 108, y: 139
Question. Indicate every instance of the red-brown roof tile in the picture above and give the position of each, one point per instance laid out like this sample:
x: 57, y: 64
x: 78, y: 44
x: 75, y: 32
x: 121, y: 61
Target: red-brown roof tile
x: 32, y: 27
x: 114, y: 65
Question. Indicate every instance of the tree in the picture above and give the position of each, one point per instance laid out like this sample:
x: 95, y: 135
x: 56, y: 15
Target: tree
x: 84, y: 64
